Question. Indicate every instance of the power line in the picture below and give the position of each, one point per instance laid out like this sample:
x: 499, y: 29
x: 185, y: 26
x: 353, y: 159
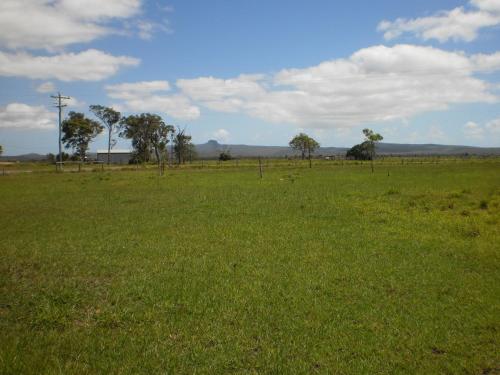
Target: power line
x: 59, y: 104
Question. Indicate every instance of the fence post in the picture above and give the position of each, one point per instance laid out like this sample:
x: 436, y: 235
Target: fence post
x: 260, y: 167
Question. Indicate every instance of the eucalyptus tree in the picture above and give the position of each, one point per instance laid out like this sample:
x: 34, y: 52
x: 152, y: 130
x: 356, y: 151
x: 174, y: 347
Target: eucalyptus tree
x: 110, y: 118
x: 159, y: 139
x: 139, y: 129
x: 183, y: 147
x: 371, y: 139
x: 305, y: 144
x: 78, y: 131
x: 149, y: 134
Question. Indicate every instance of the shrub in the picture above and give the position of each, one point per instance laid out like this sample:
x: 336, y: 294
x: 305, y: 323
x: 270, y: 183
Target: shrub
x: 225, y: 156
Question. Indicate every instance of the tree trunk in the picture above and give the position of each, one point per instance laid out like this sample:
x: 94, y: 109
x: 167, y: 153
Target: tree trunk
x: 109, y: 143
x: 82, y: 153
x: 373, y: 154
x: 157, y: 154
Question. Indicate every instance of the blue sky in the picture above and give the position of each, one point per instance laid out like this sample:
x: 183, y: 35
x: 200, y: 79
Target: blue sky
x: 256, y: 72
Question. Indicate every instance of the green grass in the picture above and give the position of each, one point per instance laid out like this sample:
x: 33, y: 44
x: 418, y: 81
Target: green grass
x: 325, y: 270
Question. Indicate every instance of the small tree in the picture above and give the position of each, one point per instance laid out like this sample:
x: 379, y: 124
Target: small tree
x: 371, y: 140
x: 225, y: 156
x: 183, y: 147
x: 110, y: 118
x: 78, y: 132
x: 299, y: 143
x: 1, y: 150
x: 359, y: 152
x: 51, y: 158
x: 311, y: 146
x: 304, y: 144
x: 159, y: 139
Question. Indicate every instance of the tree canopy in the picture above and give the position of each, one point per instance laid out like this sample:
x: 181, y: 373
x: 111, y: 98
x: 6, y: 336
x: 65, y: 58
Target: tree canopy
x: 110, y: 118
x: 183, y: 147
x: 371, y: 138
x: 359, y: 152
x: 225, y: 155
x: 365, y: 150
x: 78, y: 132
x: 303, y: 143
x: 148, y: 133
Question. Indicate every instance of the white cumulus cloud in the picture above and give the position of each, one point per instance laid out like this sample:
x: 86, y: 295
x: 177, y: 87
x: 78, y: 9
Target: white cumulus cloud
x: 54, y: 24
x: 126, y: 91
x: 89, y: 65
x: 375, y: 84
x: 148, y: 96
x: 458, y: 24
x: 487, y: 5
x: 221, y: 135
x: 493, y: 126
x: 473, y: 130
x: 25, y: 117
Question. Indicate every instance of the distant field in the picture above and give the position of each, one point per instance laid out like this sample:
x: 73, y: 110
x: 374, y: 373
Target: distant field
x: 212, y: 270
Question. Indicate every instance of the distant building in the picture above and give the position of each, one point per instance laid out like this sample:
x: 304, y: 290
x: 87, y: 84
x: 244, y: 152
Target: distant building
x: 115, y: 157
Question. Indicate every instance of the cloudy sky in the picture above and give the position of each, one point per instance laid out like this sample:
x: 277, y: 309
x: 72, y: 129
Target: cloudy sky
x: 256, y: 72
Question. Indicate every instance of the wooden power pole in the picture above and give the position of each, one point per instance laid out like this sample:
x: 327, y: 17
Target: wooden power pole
x: 59, y: 104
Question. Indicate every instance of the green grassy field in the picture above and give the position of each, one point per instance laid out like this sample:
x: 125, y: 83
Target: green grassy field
x: 325, y: 270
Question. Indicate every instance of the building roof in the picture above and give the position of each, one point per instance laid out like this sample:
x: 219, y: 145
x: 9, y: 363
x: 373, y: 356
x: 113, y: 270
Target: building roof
x: 117, y: 151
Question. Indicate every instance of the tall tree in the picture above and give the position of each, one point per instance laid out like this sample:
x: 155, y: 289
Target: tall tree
x: 183, y: 147
x: 149, y: 134
x: 110, y: 118
x: 78, y: 132
x: 159, y: 140
x: 139, y: 129
x: 304, y: 144
x: 371, y: 139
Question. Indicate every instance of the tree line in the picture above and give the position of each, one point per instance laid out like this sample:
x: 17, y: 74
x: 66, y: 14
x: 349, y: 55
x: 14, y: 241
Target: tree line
x: 363, y: 151
x: 152, y: 138
x: 149, y: 135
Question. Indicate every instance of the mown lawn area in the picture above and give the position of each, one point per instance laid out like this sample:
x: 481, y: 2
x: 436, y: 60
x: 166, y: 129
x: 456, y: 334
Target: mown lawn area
x: 325, y: 270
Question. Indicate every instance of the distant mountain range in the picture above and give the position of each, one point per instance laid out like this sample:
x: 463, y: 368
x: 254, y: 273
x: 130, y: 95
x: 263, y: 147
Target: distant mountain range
x: 212, y: 149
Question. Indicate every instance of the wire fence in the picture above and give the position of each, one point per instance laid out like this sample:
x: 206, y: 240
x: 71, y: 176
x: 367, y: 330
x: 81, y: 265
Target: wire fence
x: 7, y: 168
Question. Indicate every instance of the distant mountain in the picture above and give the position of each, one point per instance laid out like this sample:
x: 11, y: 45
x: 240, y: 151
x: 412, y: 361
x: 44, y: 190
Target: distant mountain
x: 25, y: 157
x: 212, y: 150
x: 432, y: 149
